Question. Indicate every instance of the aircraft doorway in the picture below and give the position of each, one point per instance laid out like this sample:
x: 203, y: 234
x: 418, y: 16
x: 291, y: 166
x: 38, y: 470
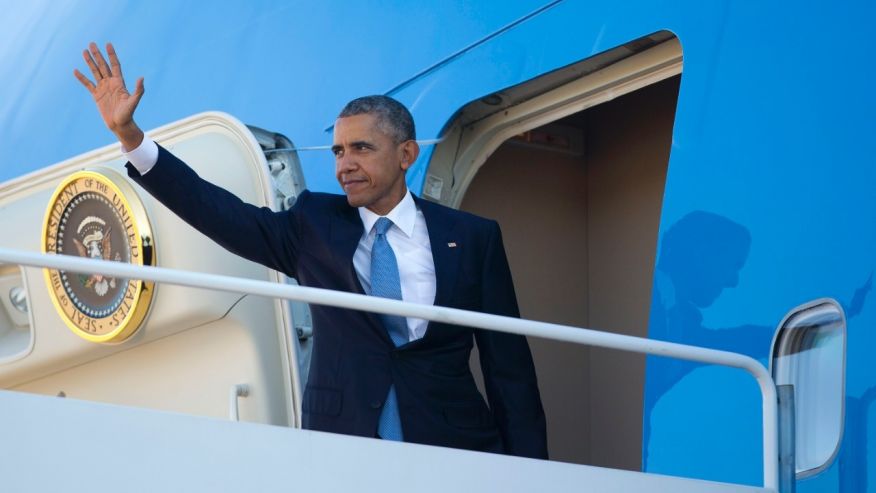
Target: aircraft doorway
x: 580, y: 230
x: 578, y: 195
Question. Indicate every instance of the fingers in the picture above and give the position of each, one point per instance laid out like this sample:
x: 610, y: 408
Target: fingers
x: 101, y: 62
x: 93, y: 66
x: 138, y: 92
x: 115, y: 66
x: 84, y: 80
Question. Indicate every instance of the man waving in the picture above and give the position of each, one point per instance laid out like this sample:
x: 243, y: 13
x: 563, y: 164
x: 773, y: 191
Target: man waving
x: 371, y: 375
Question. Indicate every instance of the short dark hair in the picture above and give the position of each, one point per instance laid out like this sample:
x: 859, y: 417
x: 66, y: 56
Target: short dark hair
x: 392, y: 117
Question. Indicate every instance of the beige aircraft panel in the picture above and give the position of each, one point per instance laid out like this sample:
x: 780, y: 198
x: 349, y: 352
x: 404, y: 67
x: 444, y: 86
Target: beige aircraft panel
x: 194, y: 344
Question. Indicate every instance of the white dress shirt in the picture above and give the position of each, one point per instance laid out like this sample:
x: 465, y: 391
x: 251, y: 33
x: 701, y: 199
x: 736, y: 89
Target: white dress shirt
x: 144, y: 156
x: 408, y: 238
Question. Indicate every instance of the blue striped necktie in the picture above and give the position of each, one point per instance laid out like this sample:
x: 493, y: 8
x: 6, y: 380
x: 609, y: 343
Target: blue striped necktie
x: 385, y: 282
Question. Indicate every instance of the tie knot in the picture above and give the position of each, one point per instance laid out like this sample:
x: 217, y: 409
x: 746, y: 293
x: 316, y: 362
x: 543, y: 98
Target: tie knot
x: 382, y: 225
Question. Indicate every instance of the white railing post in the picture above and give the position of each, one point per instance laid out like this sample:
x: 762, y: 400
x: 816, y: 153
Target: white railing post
x: 437, y: 314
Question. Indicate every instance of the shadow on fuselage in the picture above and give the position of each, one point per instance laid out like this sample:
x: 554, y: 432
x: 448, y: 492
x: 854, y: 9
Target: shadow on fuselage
x: 701, y: 255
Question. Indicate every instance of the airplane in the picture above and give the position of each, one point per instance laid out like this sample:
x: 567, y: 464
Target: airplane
x: 697, y: 173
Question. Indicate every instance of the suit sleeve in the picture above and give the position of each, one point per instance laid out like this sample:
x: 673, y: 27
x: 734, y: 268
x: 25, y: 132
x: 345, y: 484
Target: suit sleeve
x: 506, y: 362
x: 256, y: 233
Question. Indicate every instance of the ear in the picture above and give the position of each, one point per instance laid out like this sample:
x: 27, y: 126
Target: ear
x: 409, y: 152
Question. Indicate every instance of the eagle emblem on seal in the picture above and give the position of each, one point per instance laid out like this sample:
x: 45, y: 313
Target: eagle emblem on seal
x: 96, y: 242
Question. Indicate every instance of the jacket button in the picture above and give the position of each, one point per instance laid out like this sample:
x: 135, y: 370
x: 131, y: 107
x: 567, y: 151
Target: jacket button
x: 376, y: 404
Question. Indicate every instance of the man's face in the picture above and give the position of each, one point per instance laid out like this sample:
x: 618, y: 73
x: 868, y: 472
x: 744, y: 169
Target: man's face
x: 369, y: 165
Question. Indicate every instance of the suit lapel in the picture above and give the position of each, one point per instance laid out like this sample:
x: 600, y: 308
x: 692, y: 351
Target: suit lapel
x: 346, y: 231
x: 445, y: 249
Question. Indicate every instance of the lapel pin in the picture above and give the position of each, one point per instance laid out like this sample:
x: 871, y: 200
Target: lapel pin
x: 452, y: 244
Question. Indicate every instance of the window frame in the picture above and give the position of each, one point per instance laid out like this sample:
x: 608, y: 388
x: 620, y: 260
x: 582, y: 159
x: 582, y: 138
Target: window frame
x: 777, y: 337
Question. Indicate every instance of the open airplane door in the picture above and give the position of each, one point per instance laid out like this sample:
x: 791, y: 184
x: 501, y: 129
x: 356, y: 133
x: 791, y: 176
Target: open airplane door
x: 156, y: 346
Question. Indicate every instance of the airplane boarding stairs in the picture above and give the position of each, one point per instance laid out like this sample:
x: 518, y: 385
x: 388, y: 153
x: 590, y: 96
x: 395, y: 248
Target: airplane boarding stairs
x: 60, y: 444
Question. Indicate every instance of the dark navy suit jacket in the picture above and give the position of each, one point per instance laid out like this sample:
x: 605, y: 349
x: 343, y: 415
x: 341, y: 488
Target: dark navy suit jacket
x: 354, y: 362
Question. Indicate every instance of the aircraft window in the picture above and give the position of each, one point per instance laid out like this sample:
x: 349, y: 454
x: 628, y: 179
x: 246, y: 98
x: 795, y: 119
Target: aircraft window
x: 809, y: 353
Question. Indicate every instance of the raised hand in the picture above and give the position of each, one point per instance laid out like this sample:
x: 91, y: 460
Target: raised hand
x: 115, y: 104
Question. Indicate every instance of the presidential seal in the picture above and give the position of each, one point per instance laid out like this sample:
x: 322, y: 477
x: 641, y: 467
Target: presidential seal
x: 96, y: 214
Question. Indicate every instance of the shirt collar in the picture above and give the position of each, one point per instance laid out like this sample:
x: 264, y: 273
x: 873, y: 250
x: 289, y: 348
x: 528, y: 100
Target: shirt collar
x: 403, y: 215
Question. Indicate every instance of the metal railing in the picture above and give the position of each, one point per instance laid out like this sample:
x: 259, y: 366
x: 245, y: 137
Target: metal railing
x: 437, y: 314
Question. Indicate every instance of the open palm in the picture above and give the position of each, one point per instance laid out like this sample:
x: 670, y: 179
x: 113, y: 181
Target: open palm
x: 115, y: 104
